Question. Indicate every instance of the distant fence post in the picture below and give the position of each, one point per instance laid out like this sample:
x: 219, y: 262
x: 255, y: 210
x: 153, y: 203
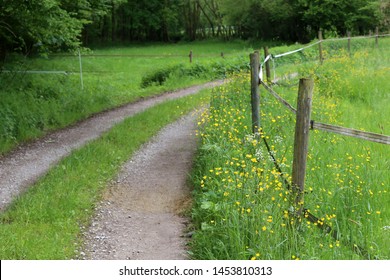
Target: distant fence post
x: 267, y: 66
x: 222, y: 55
x: 255, y: 90
x: 377, y: 36
x: 320, y: 46
x: 191, y: 56
x: 301, y: 141
x: 81, y: 71
x: 349, y: 42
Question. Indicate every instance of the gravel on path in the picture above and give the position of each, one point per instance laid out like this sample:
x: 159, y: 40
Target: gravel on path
x: 139, y: 218
x: 22, y: 167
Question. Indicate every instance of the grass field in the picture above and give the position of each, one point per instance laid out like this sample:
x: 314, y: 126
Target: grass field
x: 32, y: 104
x: 243, y: 207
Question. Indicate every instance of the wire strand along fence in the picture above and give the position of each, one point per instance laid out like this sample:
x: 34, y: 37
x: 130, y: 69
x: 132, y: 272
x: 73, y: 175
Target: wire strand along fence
x: 86, y: 67
x: 25, y: 69
x: 303, y: 125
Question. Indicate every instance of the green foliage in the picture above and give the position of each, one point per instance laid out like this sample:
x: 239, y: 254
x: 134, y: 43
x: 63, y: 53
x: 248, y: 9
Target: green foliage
x: 43, y: 24
x: 213, y: 70
x: 159, y: 77
x: 66, y: 23
x: 357, y: 15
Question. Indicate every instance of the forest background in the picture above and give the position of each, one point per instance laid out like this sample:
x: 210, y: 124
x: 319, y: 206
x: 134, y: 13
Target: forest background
x: 31, y: 26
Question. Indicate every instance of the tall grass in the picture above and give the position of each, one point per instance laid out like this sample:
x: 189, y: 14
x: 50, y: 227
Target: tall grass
x: 243, y: 205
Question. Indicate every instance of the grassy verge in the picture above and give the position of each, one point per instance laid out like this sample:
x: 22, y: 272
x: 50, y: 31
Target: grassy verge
x: 242, y: 208
x: 32, y: 104
x: 44, y: 223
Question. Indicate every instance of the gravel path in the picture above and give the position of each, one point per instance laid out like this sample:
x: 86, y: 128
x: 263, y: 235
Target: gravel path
x: 140, y: 215
x: 21, y: 168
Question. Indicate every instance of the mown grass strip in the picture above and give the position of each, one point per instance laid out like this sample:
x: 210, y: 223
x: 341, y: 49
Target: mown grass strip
x: 45, y: 222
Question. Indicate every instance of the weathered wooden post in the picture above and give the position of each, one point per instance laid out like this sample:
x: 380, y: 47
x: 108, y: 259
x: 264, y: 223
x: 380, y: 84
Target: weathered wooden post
x: 320, y: 46
x: 377, y: 36
x: 191, y: 56
x: 349, y: 42
x: 301, y: 141
x: 267, y: 66
x: 222, y: 55
x: 255, y: 91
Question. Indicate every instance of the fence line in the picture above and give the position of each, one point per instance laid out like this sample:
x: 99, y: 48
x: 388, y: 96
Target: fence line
x: 303, y: 125
x: 318, y: 42
x: 35, y: 72
x: 369, y: 136
x: 221, y: 54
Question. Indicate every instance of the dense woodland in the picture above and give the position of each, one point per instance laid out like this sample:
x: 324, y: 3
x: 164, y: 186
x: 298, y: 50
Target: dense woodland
x: 48, y: 25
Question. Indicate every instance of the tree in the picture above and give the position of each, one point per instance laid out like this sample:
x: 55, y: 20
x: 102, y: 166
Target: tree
x: 385, y: 14
x: 340, y: 15
x: 278, y: 19
x: 42, y: 24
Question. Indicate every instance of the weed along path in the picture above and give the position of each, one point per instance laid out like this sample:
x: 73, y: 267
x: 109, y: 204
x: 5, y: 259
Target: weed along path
x: 140, y: 216
x: 21, y: 168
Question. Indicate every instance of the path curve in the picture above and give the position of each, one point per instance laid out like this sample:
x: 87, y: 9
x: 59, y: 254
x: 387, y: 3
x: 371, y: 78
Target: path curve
x: 22, y: 167
x: 140, y: 215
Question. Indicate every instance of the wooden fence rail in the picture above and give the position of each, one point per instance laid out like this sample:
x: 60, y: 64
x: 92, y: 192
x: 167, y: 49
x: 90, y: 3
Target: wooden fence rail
x: 368, y: 136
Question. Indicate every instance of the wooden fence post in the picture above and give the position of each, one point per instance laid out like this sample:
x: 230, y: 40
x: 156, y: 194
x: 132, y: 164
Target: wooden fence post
x: 301, y: 141
x: 377, y: 36
x: 349, y: 42
x: 81, y: 72
x: 191, y: 56
x: 320, y: 46
x: 255, y: 91
x: 267, y: 66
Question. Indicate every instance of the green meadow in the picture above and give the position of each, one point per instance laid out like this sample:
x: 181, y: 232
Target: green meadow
x: 33, y: 103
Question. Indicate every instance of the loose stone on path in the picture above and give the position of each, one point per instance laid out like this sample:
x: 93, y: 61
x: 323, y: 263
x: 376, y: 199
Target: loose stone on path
x: 139, y: 218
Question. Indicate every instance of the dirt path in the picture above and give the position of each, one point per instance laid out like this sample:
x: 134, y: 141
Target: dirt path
x: 139, y: 217
x: 25, y: 165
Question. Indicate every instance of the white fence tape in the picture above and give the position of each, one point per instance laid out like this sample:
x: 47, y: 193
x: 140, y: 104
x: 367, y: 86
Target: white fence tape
x: 298, y: 50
